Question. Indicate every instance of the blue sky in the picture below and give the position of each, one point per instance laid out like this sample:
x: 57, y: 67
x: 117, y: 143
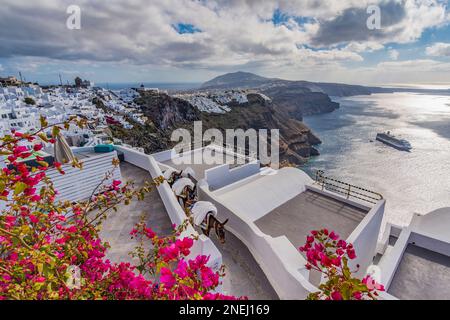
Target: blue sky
x: 193, y: 41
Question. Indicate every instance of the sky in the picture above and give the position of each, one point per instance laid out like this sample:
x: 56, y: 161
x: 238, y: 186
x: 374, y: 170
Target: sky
x: 193, y: 41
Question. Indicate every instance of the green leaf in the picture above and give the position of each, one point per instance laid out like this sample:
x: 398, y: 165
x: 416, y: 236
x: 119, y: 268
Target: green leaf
x: 55, y: 131
x: 19, y: 187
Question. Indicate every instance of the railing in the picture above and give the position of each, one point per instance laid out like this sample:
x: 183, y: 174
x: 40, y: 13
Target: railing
x: 349, y: 190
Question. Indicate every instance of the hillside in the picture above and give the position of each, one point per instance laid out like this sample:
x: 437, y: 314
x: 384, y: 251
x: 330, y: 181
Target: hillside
x: 249, y: 80
x: 166, y: 113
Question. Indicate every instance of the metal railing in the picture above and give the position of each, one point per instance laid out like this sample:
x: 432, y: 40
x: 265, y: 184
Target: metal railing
x: 346, y: 189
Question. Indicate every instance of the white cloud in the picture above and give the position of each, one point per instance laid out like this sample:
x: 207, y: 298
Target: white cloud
x: 234, y: 34
x: 439, y: 49
x: 393, y: 54
x: 420, y: 65
x: 369, y: 46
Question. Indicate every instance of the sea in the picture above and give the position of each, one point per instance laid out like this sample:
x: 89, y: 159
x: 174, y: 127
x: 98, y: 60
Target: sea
x: 411, y: 182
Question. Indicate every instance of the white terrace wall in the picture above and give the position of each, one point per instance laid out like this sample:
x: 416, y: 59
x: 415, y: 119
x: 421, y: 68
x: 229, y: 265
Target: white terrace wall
x: 365, y: 238
x: 177, y: 215
x: 279, y: 260
x: 365, y: 235
x: 222, y: 175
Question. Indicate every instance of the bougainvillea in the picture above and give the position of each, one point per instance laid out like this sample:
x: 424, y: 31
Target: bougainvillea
x: 329, y: 255
x: 51, y: 249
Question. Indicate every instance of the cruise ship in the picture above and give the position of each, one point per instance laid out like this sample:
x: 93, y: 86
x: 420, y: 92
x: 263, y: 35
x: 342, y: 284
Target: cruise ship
x: 391, y: 140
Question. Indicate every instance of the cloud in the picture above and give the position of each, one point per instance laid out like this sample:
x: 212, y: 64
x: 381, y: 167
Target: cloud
x: 364, y: 46
x: 219, y: 35
x: 401, y: 21
x: 420, y: 65
x: 439, y: 49
x: 393, y: 54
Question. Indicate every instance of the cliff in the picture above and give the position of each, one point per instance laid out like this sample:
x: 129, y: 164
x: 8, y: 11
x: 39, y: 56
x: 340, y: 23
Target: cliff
x: 166, y: 113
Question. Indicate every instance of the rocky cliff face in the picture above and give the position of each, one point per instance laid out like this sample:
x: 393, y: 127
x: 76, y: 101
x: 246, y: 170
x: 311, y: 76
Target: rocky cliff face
x: 299, y: 101
x: 166, y: 114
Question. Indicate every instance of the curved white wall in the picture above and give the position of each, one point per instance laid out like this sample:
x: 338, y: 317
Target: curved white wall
x: 280, y: 261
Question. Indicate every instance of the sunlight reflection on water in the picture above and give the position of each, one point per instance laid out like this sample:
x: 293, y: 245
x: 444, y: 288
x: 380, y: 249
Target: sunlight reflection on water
x: 418, y: 181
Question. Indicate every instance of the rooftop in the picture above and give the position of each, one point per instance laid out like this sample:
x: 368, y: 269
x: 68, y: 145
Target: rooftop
x: 209, y: 159
x: 422, y: 274
x: 310, y: 211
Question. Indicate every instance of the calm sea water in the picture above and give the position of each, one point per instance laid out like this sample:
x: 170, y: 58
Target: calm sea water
x: 411, y: 182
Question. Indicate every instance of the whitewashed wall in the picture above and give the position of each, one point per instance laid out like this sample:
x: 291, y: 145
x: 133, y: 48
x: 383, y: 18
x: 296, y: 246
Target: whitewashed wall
x: 222, y: 175
x: 365, y: 238
x: 283, y: 265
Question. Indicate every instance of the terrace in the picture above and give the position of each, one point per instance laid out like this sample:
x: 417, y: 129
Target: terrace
x: 118, y: 225
x: 243, y: 275
x: 308, y: 211
x: 271, y: 211
x: 417, y: 264
x: 422, y: 275
x: 201, y: 160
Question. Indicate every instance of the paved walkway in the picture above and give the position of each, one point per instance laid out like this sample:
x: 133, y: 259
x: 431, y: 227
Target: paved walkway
x: 244, y: 276
x: 116, y: 228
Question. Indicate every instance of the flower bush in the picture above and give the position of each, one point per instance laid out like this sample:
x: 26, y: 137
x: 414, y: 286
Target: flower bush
x: 44, y: 241
x: 329, y: 255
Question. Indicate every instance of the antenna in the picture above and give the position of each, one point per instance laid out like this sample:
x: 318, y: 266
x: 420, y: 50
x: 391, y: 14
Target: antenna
x: 20, y: 75
x: 60, y: 80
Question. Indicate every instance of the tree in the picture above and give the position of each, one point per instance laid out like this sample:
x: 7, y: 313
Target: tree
x: 329, y: 255
x: 29, y: 101
x: 78, y: 81
x: 52, y: 250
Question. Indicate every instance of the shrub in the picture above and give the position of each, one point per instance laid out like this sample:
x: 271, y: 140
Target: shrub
x: 52, y: 250
x: 329, y: 255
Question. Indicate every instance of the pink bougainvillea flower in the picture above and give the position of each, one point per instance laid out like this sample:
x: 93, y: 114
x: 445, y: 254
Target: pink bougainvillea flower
x: 333, y: 236
x: 357, y: 295
x: 181, y: 269
x: 371, y: 284
x: 167, y: 277
x: 336, y: 295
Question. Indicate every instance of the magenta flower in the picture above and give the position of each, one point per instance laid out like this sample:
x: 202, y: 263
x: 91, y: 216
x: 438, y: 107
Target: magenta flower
x: 167, y: 278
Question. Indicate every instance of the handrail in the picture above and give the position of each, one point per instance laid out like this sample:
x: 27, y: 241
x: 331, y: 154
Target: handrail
x: 346, y: 189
